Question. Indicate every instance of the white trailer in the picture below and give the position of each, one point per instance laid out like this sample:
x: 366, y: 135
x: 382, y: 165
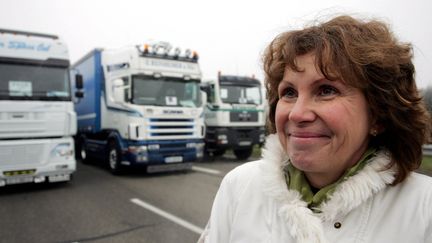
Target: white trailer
x: 142, y: 107
x: 37, y: 120
x: 234, y: 115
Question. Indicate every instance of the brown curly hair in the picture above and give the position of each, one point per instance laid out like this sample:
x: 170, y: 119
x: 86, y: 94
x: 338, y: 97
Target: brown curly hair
x: 366, y: 55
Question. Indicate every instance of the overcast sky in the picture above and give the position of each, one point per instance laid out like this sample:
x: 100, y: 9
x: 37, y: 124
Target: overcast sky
x: 229, y: 35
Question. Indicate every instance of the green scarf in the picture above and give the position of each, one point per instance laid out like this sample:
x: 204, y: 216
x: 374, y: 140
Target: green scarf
x: 296, y: 180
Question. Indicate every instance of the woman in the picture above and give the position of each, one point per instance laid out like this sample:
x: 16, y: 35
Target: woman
x: 347, y: 127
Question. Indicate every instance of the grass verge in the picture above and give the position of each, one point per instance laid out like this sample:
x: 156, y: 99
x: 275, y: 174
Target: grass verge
x: 426, y: 165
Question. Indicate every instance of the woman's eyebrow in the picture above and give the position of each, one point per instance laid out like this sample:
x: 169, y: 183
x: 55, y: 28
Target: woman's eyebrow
x: 313, y: 82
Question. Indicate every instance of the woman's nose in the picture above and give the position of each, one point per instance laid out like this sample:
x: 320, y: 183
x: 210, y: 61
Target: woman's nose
x: 302, y: 111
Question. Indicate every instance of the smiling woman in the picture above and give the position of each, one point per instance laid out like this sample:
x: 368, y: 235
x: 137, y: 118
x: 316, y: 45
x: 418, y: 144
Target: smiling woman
x: 347, y: 126
x: 311, y: 121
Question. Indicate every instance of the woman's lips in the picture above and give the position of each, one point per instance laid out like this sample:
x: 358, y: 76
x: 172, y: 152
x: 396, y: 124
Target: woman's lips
x: 305, y: 139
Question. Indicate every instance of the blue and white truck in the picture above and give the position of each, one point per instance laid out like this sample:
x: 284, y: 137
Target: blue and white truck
x: 142, y: 106
x: 37, y: 119
x: 234, y: 115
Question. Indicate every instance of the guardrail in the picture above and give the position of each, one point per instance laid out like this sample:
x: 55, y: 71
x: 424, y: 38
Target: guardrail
x: 427, y: 149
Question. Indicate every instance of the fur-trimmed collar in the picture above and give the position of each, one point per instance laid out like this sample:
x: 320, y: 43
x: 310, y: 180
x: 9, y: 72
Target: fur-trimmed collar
x: 304, y: 225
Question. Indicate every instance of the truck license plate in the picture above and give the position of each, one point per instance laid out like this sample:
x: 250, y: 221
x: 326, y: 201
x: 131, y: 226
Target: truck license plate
x: 174, y: 159
x: 19, y: 180
x: 245, y: 143
x: 58, y: 178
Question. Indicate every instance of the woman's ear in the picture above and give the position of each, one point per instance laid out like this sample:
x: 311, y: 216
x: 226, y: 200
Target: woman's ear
x: 373, y: 132
x: 376, y: 129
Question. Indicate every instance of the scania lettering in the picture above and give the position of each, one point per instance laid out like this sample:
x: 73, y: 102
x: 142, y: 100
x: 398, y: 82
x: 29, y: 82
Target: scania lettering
x: 37, y: 120
x: 234, y: 115
x: 142, y: 107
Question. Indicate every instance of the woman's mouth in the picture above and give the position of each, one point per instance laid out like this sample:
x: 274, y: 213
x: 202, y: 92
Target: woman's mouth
x: 304, y: 139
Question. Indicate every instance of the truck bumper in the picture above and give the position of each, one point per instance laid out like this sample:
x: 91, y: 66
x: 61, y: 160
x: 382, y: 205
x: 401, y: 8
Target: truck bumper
x: 168, y: 167
x: 233, y: 137
x: 164, y: 155
x: 36, y: 160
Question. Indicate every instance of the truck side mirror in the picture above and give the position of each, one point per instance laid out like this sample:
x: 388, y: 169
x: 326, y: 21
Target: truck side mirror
x: 206, y: 90
x: 79, y: 94
x: 203, y: 98
x: 79, y: 84
x: 118, y: 90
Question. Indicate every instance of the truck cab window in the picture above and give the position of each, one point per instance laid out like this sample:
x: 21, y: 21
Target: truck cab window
x: 212, y: 93
x: 32, y: 82
x: 127, y: 89
x: 165, y: 92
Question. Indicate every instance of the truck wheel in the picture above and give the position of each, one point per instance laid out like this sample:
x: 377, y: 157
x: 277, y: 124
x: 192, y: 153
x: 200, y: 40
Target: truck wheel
x: 81, y: 153
x: 114, y: 158
x: 219, y: 152
x: 243, y: 153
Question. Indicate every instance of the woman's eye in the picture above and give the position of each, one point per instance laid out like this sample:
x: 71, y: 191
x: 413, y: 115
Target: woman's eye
x: 327, y: 90
x: 289, y: 93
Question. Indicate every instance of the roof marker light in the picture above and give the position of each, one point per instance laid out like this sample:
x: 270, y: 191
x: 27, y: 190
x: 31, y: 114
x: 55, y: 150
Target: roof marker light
x: 187, y: 53
x: 195, y: 55
x: 177, y: 52
x: 146, y: 48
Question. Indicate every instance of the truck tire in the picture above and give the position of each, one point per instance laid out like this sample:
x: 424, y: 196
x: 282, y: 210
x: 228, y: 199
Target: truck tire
x: 114, y: 158
x: 81, y: 152
x: 243, y: 153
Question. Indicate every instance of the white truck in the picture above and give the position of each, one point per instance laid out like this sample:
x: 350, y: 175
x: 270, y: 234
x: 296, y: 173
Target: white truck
x: 142, y: 107
x: 234, y: 115
x: 37, y: 119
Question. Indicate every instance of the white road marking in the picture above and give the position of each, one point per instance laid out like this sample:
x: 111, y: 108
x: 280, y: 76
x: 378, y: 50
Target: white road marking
x: 168, y: 216
x: 206, y: 170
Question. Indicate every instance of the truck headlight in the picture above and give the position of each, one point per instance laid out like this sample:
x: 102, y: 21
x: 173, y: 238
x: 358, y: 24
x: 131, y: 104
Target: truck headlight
x: 191, y: 145
x: 198, y: 146
x: 141, y: 158
x: 153, y: 146
x: 62, y: 150
x: 137, y: 149
x: 262, y: 138
x: 222, y: 139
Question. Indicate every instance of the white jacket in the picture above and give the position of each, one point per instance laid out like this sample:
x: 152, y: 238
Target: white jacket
x: 254, y: 205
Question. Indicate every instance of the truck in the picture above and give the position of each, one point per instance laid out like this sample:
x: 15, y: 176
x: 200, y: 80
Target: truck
x: 234, y: 115
x: 142, y: 107
x: 37, y: 119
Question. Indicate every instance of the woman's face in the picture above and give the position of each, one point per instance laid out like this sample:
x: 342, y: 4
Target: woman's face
x: 323, y: 125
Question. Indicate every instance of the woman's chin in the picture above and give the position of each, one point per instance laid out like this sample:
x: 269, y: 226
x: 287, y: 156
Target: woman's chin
x: 303, y: 162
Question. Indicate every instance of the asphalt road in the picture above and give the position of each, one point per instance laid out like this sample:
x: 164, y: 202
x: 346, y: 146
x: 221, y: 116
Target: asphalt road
x: 99, y: 207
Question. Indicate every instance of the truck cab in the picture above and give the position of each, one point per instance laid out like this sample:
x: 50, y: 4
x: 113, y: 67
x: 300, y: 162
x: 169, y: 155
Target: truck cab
x: 234, y: 115
x: 142, y: 106
x: 37, y: 120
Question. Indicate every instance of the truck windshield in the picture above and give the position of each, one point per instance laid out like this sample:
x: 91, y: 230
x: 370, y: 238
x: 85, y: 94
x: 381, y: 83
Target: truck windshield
x: 165, y: 92
x: 240, y: 94
x: 31, y: 82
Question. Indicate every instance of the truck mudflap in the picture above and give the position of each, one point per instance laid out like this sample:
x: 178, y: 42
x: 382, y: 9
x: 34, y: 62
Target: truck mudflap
x: 168, y: 167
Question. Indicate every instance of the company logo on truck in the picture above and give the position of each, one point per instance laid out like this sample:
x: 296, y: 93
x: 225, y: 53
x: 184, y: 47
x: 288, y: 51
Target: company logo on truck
x: 244, y: 115
x: 169, y: 64
x: 21, y: 45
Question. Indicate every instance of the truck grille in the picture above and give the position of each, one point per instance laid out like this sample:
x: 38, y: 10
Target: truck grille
x: 171, y: 128
x: 16, y: 154
x: 243, y: 116
x: 170, y: 120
